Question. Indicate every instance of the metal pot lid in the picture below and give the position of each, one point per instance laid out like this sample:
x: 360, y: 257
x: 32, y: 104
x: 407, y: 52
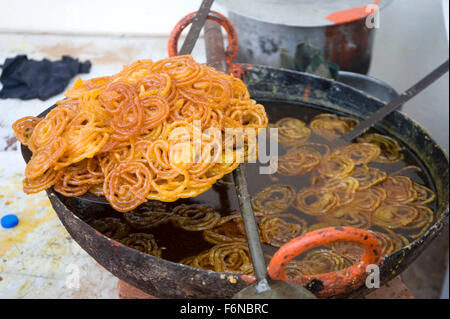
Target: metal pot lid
x: 303, y: 13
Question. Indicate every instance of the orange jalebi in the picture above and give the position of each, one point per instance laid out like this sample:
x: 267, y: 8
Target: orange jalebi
x: 151, y: 131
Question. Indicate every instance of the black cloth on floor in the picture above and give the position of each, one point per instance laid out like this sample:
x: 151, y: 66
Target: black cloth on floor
x: 29, y: 79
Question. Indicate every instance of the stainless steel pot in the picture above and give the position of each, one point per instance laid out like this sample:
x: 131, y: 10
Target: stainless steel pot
x: 290, y: 22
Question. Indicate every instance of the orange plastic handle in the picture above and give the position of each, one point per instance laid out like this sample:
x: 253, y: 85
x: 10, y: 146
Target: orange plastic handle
x: 232, y: 47
x: 332, y: 283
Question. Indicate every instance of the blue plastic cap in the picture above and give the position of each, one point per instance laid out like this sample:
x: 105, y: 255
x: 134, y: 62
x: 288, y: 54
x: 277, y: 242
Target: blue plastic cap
x: 9, y: 221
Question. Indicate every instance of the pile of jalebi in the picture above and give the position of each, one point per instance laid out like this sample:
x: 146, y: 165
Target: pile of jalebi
x: 148, y: 132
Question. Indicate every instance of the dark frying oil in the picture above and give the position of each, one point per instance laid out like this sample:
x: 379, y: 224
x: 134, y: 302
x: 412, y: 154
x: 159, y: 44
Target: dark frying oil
x: 178, y: 244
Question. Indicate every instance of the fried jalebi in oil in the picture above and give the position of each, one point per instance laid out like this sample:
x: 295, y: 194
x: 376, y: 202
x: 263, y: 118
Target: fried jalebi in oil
x: 424, y: 194
x: 148, y: 215
x: 423, y: 221
x: 298, y: 161
x: 368, y: 200
x: 229, y: 229
x: 322, y: 261
x: 368, y: 176
x: 336, y: 165
x: 111, y: 227
x: 395, y: 215
x: 154, y: 129
x: 400, y: 190
x: 361, y: 153
x: 316, y: 201
x: 347, y: 216
x: 145, y: 243
x: 390, y: 148
x: 273, y: 199
x: 292, y: 131
x: 344, y: 188
x: 389, y: 242
x: 234, y: 258
x: 294, y: 269
x: 331, y: 126
x: 194, y: 217
x: 349, y: 250
x: 277, y: 230
x: 231, y: 258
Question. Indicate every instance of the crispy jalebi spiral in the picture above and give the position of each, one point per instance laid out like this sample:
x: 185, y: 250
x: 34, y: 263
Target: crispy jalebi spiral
x: 85, y: 136
x: 322, y: 261
x: 390, y: 148
x: 344, y: 188
x: 361, y: 153
x: 42, y: 182
x: 229, y: 229
x: 145, y: 243
x: 292, y: 131
x: 395, y: 216
x: 368, y: 176
x: 316, y: 201
x: 276, y: 230
x: 46, y: 157
x: 148, y: 215
x: 23, y: 128
x: 234, y: 258
x: 424, y: 194
x: 273, y: 199
x: 298, y: 160
x: 331, y: 126
x: 347, y: 216
x: 194, y: 217
x: 120, y: 99
x: 183, y: 70
x: 167, y: 119
x: 336, y: 165
x: 400, y: 190
x: 77, y: 180
x: 126, y: 185
x: 52, y: 126
x: 368, y: 200
x: 111, y: 227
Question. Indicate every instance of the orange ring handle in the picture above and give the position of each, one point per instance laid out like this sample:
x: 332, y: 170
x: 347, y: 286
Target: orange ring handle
x: 332, y: 283
x: 232, y: 47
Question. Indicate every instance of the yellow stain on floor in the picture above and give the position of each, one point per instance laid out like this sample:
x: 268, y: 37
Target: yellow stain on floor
x: 35, y: 254
x: 32, y: 211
